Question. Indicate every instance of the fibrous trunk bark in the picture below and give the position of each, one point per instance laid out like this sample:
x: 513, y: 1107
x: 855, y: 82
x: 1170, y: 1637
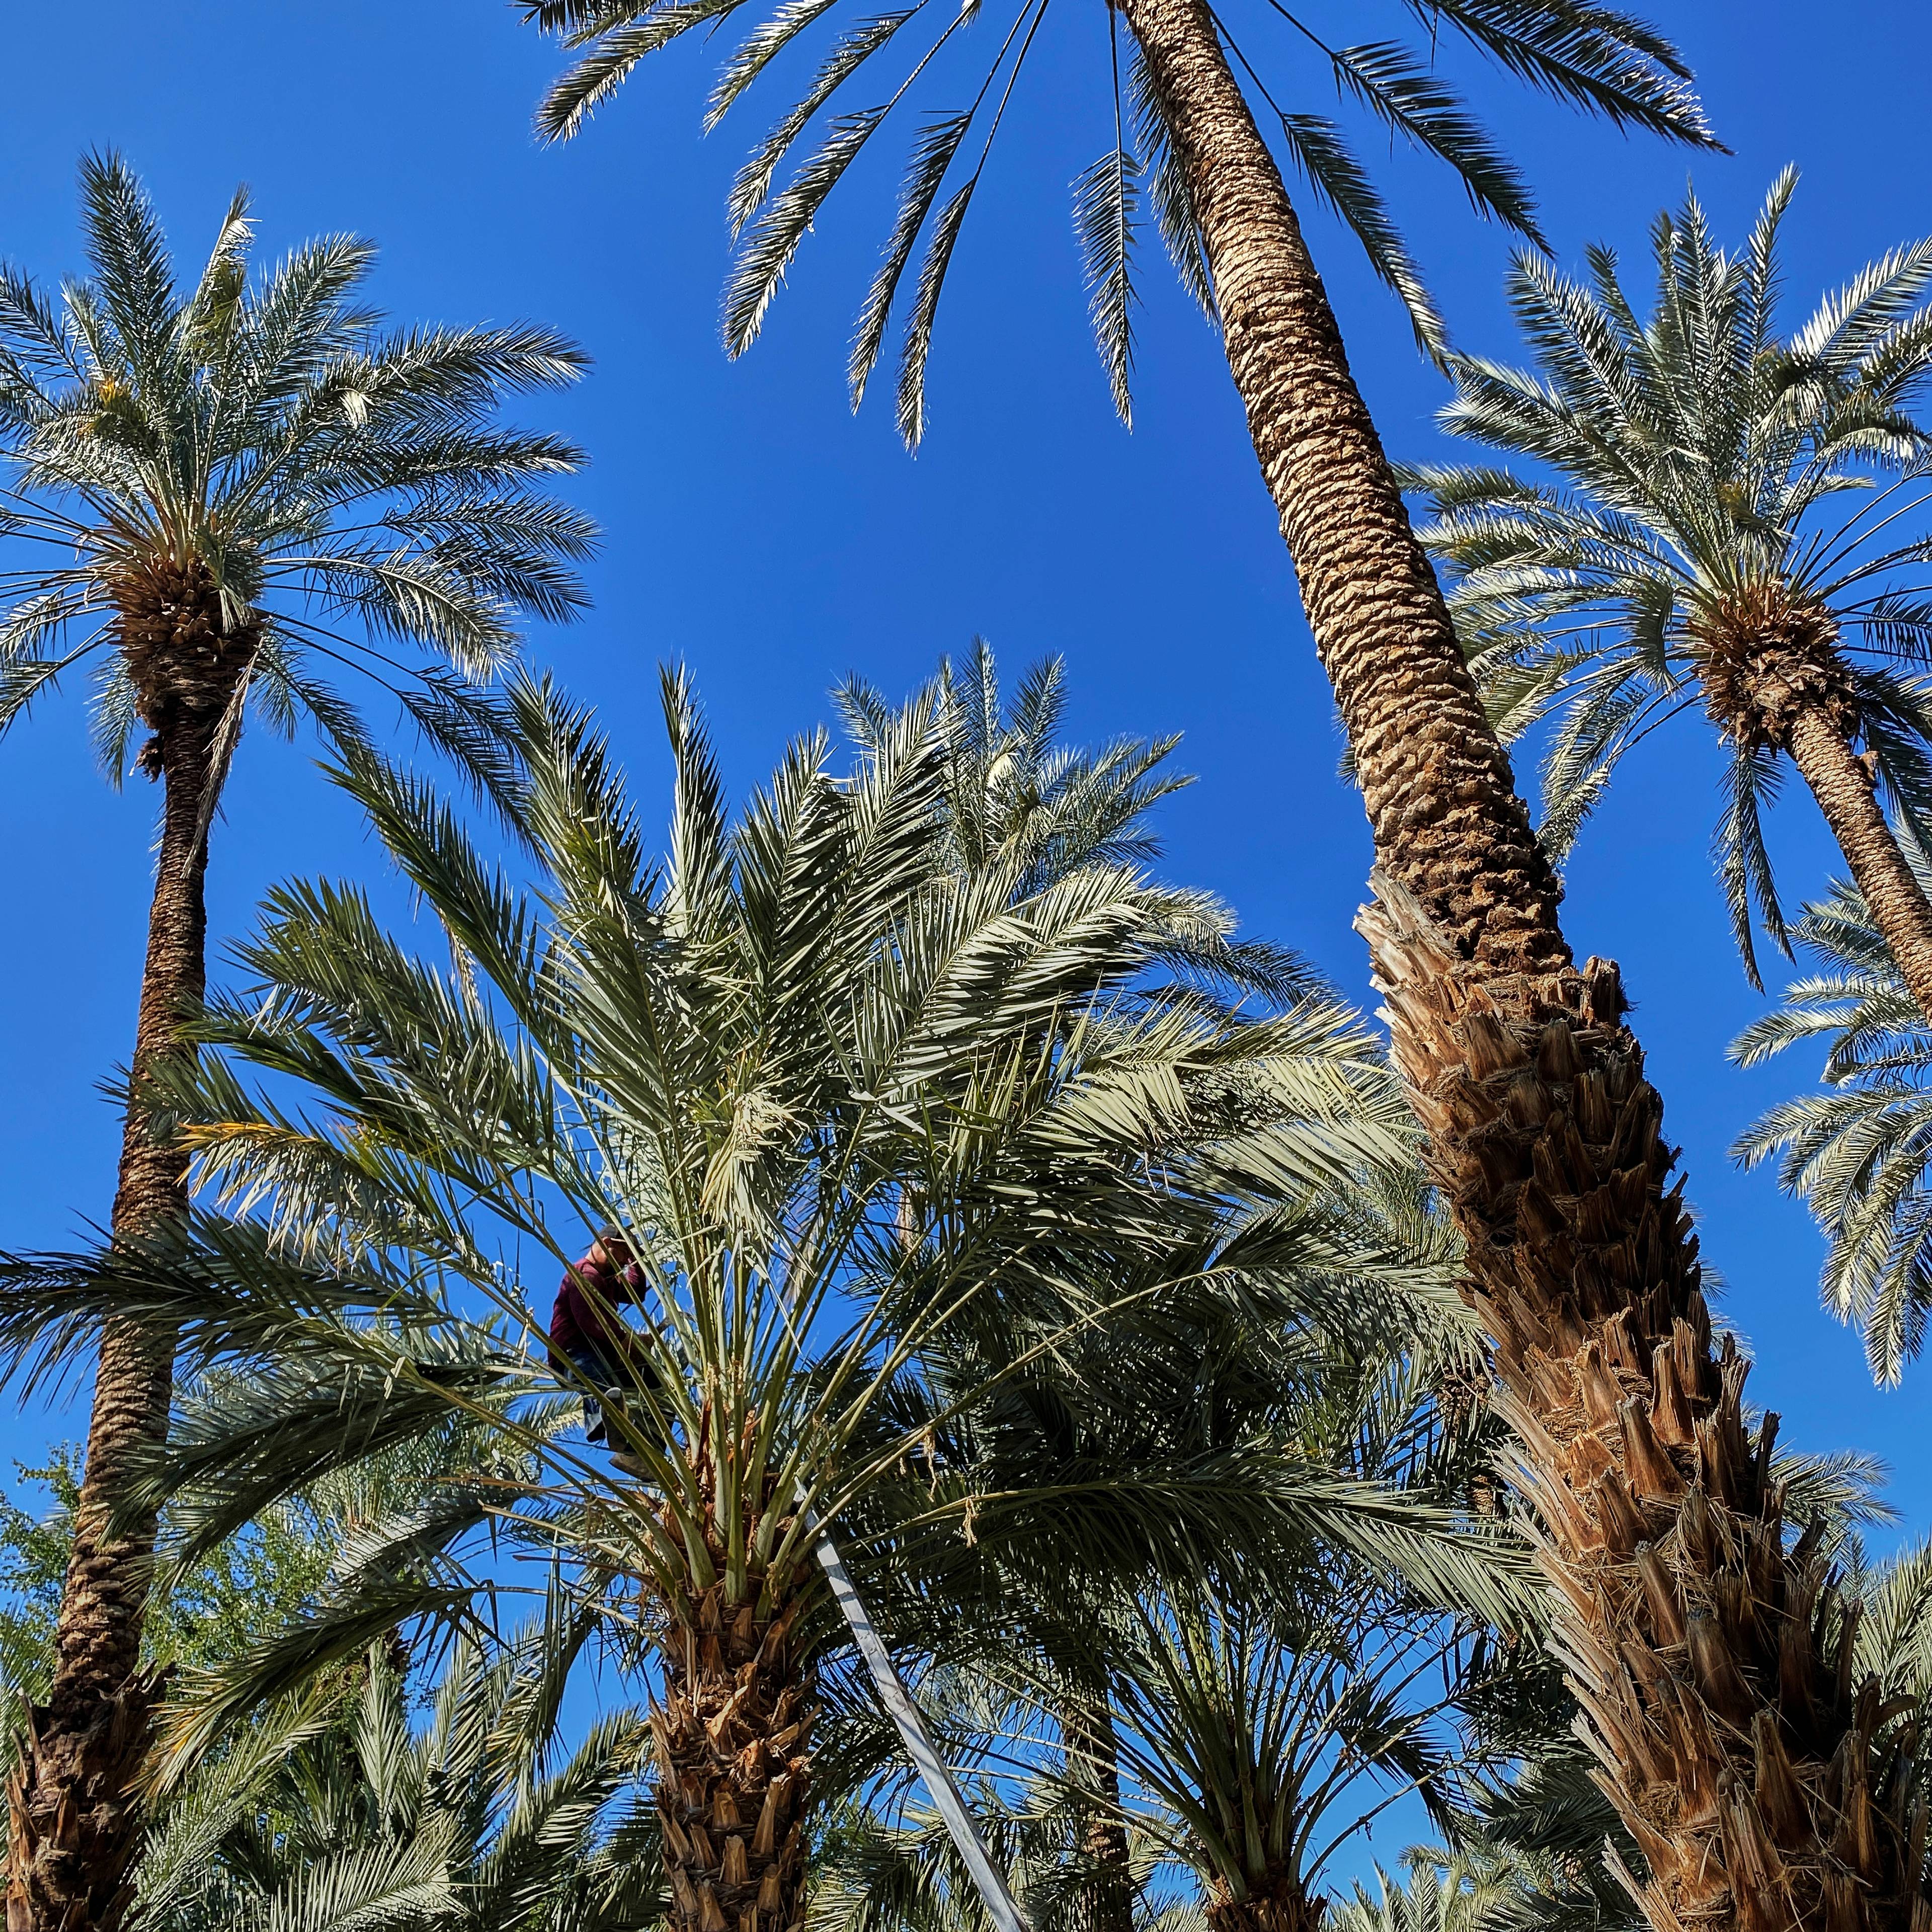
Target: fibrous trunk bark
x: 1106, y: 1901
x: 1843, y: 785
x: 1775, y: 679
x: 734, y: 1767
x: 1712, y: 1663
x: 733, y: 1736
x: 74, y: 1822
x: 1284, y: 1906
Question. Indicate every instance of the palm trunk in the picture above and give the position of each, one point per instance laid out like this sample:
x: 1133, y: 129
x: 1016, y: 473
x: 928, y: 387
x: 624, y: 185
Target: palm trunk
x: 733, y: 1738
x: 1285, y: 1906
x: 732, y: 1742
x: 1106, y: 1901
x: 74, y: 1820
x: 1773, y: 680
x: 1849, y: 799
x: 1712, y: 1664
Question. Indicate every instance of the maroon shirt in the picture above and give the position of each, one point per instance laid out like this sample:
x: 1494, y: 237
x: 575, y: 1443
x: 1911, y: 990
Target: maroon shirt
x: 577, y: 1323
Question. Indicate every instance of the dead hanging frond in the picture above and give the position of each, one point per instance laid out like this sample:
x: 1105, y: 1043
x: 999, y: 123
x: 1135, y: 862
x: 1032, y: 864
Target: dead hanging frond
x: 1106, y: 200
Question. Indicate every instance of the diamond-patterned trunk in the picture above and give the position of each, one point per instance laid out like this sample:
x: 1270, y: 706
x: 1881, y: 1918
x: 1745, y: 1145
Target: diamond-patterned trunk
x: 733, y: 1770
x: 733, y: 1738
x: 1764, y: 1786
x: 1279, y: 1904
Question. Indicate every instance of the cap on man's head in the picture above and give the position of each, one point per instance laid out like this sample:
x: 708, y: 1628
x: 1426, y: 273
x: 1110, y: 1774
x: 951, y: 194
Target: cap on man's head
x: 611, y: 1233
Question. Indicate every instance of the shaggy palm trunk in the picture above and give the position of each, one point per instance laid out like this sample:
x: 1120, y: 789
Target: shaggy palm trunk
x: 1106, y: 1901
x: 732, y: 1739
x: 1712, y: 1665
x: 1773, y: 680
x: 74, y: 1821
x: 1281, y: 1905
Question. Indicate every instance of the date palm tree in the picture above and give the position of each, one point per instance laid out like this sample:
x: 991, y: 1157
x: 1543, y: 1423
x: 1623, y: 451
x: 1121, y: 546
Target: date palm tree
x: 1545, y: 1139
x: 1856, y: 1152
x: 1260, y: 1730
x: 217, y: 476
x: 481, y: 1820
x: 1298, y: 1324
x: 1023, y: 808
x: 1694, y: 551
x: 1018, y: 800
x: 845, y: 1099
x: 1238, y: 1725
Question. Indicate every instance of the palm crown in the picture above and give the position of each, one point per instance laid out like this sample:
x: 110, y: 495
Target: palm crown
x: 849, y: 1100
x: 220, y: 492
x: 1591, y: 57
x: 1693, y: 545
x: 219, y: 469
x: 1023, y: 808
x: 1240, y: 1722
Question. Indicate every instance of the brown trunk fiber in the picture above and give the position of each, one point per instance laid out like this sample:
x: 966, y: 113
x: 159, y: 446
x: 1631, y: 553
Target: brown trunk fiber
x: 1711, y: 1664
x: 74, y: 1823
x: 1106, y: 1901
x: 1440, y: 796
x: 1764, y: 1785
x: 733, y: 1746
x: 1847, y: 796
x: 734, y: 1769
x: 1283, y: 1906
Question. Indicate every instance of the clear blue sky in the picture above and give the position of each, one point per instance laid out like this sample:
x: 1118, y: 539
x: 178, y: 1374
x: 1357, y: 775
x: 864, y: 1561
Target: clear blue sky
x: 760, y: 533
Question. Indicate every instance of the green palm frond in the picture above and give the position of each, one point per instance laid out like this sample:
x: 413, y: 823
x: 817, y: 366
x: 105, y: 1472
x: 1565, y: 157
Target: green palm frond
x: 1021, y: 809
x: 898, y: 1870
x: 1458, y: 1892
x: 1106, y: 200
x: 1249, y: 1720
x: 1601, y: 61
x: 912, y: 1085
x: 322, y: 1817
x: 1856, y: 1152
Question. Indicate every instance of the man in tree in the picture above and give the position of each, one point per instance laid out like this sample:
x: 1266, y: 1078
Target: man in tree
x: 590, y: 1343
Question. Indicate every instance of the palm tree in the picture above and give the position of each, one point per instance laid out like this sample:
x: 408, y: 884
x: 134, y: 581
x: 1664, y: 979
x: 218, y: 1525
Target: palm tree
x: 1856, y: 1152
x: 843, y: 1099
x: 1249, y: 1718
x: 480, y: 1821
x: 1287, y: 1329
x: 1447, y: 823
x: 1249, y: 1755
x: 1262, y: 1728
x: 1545, y: 1138
x: 1694, y: 551
x: 212, y: 471
x: 1266, y: 1741
x: 1018, y: 801
x: 1024, y: 809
